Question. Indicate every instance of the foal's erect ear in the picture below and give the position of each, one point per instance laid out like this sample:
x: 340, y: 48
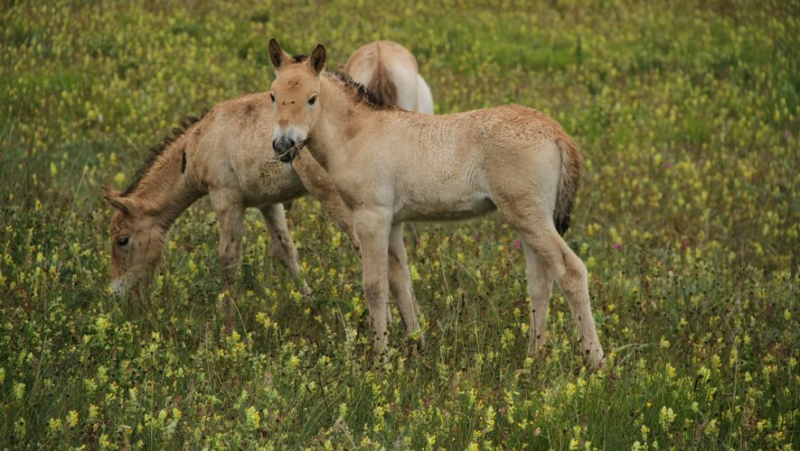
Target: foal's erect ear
x: 277, y: 55
x: 317, y: 59
x: 115, y: 199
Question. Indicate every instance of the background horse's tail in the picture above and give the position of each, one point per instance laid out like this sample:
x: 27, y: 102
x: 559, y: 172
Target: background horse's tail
x: 571, y: 170
x: 381, y: 82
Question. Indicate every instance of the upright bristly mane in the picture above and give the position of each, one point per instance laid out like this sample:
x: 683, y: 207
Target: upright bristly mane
x: 359, y: 92
x: 159, y: 150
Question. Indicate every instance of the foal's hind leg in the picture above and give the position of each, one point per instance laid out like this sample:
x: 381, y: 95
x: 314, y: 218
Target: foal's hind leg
x: 540, y: 287
x: 572, y: 277
x: 557, y: 260
x: 282, y: 244
x: 400, y: 282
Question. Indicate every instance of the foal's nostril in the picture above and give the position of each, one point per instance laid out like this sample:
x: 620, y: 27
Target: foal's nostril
x: 282, y: 145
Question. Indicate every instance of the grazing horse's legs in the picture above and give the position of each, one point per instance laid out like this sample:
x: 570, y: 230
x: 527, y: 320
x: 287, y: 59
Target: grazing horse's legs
x: 540, y: 286
x: 282, y: 244
x: 400, y: 281
x: 230, y: 214
x: 373, y: 229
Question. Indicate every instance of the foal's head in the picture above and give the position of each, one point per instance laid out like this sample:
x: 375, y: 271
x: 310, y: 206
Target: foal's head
x: 294, y: 95
x: 137, y: 240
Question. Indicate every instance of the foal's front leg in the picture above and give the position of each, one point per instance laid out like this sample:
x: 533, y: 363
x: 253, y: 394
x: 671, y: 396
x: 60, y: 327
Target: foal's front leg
x: 319, y: 184
x: 230, y: 210
x: 230, y: 214
x: 373, y: 228
x: 400, y: 282
x: 282, y: 244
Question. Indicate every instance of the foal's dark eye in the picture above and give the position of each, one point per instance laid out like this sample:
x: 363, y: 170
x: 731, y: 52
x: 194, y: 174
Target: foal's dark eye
x: 122, y: 242
x: 312, y: 100
x: 272, y: 96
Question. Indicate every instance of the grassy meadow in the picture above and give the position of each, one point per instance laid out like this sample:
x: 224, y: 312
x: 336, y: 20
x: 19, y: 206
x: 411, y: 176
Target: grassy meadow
x: 688, y: 217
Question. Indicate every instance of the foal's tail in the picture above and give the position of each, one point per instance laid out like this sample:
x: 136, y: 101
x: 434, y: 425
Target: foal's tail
x: 571, y: 170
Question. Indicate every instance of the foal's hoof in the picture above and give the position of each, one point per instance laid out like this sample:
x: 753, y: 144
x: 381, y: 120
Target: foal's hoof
x: 595, y: 361
x: 382, y: 358
x: 416, y: 342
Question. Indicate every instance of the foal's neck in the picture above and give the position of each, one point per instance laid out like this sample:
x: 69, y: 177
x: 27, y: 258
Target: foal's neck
x: 342, y: 118
x: 164, y: 189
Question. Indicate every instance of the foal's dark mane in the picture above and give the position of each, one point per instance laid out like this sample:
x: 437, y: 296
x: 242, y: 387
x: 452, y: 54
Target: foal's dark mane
x: 359, y: 92
x: 159, y: 149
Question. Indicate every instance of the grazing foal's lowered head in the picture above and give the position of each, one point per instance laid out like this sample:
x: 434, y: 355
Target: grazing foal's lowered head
x: 137, y: 241
x: 296, y: 109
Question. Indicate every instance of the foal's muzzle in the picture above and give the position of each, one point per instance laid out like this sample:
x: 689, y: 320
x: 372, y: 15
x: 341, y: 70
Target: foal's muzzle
x: 286, y: 149
x: 282, y: 144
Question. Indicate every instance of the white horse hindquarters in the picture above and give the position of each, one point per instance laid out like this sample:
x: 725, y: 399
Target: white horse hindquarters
x: 404, y: 78
x: 424, y: 96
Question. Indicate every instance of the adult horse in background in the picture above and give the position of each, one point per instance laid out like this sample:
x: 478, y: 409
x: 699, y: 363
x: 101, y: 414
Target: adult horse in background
x: 391, y: 165
x: 390, y: 71
x: 226, y: 154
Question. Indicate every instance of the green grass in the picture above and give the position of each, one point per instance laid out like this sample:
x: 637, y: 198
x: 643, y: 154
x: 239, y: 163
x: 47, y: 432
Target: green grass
x: 688, y: 218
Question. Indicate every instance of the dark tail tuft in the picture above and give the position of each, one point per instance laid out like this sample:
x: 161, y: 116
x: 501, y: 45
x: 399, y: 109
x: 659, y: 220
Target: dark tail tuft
x: 571, y: 170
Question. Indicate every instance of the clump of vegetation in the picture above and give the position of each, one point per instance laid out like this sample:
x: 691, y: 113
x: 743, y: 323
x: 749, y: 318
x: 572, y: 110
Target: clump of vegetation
x: 688, y: 218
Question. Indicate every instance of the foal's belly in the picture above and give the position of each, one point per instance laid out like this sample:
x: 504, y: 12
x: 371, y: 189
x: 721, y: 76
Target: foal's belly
x: 445, y: 210
x: 441, y: 192
x: 270, y: 183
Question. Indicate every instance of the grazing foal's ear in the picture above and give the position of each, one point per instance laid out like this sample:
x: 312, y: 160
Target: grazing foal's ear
x: 316, y: 62
x: 115, y: 199
x: 276, y: 54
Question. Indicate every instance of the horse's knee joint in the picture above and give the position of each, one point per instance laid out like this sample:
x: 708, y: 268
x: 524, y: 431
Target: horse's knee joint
x: 574, y: 278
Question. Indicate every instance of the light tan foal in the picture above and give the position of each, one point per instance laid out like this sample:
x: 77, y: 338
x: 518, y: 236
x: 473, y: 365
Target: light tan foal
x: 390, y: 166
